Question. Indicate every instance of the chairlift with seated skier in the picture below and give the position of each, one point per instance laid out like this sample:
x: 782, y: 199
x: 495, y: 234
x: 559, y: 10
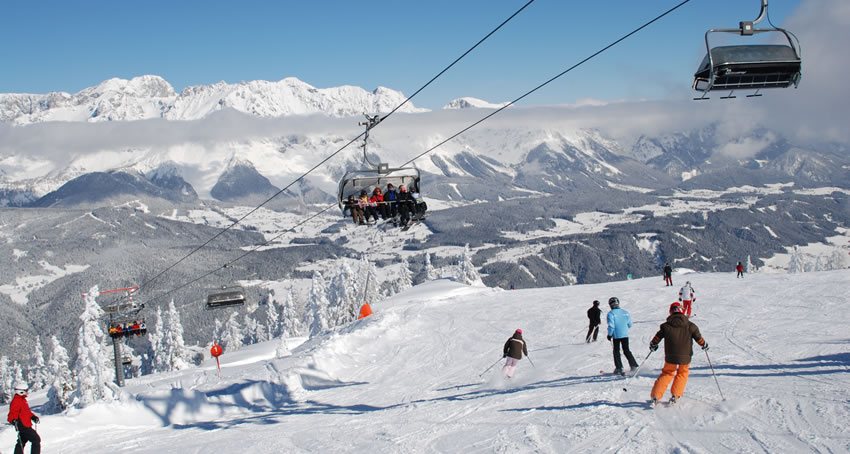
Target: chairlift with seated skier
x: 751, y: 66
x: 355, y: 182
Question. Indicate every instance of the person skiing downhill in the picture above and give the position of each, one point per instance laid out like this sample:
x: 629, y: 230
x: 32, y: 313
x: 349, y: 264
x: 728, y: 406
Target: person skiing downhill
x: 687, y: 298
x: 594, y: 315
x: 514, y: 348
x: 677, y: 333
x: 23, y: 418
x: 668, y: 275
x: 619, y: 321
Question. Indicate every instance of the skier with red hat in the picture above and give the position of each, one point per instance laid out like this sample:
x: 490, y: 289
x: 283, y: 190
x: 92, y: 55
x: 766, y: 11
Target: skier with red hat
x: 514, y: 348
x: 677, y: 333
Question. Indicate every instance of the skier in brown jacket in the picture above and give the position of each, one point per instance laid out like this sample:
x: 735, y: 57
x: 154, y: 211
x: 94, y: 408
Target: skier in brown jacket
x: 677, y: 333
x: 514, y: 349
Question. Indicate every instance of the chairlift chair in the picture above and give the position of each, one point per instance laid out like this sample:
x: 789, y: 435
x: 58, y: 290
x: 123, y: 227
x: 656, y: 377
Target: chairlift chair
x: 749, y: 67
x: 379, y: 176
x: 226, y: 297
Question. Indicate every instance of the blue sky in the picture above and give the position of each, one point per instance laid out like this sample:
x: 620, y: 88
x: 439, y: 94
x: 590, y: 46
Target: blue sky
x: 400, y: 44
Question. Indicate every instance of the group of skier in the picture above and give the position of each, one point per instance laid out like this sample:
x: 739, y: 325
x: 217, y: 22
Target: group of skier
x: 678, y: 333
x: 397, y: 205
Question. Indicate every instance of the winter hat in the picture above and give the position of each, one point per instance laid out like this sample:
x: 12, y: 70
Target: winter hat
x: 614, y: 302
x: 518, y: 331
x: 676, y: 307
x: 596, y: 302
x: 21, y: 389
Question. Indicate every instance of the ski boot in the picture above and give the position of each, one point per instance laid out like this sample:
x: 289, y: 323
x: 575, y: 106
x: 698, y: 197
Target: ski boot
x: 653, y: 402
x: 673, y: 400
x: 619, y: 371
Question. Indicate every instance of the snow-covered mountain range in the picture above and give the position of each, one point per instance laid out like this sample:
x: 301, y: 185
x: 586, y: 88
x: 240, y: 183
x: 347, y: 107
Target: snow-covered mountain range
x: 147, y: 97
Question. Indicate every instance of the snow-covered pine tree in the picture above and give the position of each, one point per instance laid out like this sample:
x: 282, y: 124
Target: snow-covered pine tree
x: 273, y: 325
x: 317, y: 309
x: 93, y: 368
x: 795, y: 264
x: 368, y: 275
x: 748, y: 267
x: 17, y: 374
x: 821, y: 263
x: 282, y: 349
x: 171, y: 353
x: 344, y: 296
x: 466, y: 272
x: 5, y: 380
x: 430, y: 272
x: 156, y: 335
x: 405, y: 277
x: 61, y: 379
x: 232, y: 335
x: 290, y: 322
x: 37, y: 374
x: 253, y: 332
x: 836, y: 260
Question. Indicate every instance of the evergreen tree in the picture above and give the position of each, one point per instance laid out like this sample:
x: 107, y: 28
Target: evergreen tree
x: 61, y: 379
x: 290, y: 323
x: 465, y: 271
x: 836, y: 260
x: 170, y: 352
x: 282, y: 349
x: 5, y: 380
x: 273, y: 325
x: 317, y: 309
x: 430, y: 272
x: 405, y: 277
x: 37, y: 374
x: 369, y: 277
x: 344, y: 296
x: 748, y: 267
x: 253, y: 332
x: 232, y: 335
x: 17, y: 374
x: 796, y: 265
x: 156, y: 335
x: 93, y: 368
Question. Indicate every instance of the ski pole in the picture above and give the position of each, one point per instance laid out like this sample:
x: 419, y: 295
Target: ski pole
x: 20, y: 442
x: 636, y: 371
x: 532, y: 362
x: 713, y: 374
x: 491, y: 366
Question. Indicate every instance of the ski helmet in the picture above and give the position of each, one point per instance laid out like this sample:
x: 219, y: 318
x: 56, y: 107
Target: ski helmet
x: 21, y: 389
x: 614, y: 302
x: 518, y: 331
x: 676, y: 307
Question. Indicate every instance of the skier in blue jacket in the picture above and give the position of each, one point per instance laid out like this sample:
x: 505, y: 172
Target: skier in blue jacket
x: 619, y: 322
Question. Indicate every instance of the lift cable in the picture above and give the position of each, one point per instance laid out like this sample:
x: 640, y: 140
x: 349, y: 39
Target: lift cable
x: 624, y: 37
x: 305, y: 174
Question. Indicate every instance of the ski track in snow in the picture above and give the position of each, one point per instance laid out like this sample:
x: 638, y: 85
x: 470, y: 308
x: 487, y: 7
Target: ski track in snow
x: 406, y: 380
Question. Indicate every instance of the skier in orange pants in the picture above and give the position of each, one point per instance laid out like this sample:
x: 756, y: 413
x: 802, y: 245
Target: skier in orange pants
x: 677, y: 333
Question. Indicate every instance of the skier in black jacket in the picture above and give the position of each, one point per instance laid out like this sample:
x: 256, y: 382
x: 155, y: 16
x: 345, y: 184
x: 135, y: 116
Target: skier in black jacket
x: 513, y: 350
x: 594, y: 315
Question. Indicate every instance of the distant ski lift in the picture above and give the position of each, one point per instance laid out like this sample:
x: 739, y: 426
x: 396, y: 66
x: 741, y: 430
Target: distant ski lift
x: 379, y: 176
x: 749, y: 67
x: 226, y: 297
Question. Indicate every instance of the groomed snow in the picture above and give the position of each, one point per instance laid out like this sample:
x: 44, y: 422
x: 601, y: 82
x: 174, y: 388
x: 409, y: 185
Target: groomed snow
x: 407, y: 379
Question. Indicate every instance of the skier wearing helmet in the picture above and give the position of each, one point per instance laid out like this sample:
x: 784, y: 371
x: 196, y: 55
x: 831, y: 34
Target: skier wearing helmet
x: 514, y: 349
x: 677, y: 333
x: 619, y: 321
x: 22, y: 417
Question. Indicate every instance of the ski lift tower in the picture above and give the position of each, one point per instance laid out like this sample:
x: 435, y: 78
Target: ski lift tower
x: 124, y: 311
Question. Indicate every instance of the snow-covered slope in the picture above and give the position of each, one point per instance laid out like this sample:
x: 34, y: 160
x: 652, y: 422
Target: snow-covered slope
x: 146, y: 97
x: 472, y: 103
x: 407, y: 379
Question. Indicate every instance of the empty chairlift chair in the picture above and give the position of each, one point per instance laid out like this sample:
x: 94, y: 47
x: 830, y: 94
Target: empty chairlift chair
x: 225, y: 297
x: 751, y: 66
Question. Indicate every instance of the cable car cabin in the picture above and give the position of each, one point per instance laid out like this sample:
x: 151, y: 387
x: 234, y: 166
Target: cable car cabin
x: 368, y: 179
x: 226, y: 297
x: 750, y: 67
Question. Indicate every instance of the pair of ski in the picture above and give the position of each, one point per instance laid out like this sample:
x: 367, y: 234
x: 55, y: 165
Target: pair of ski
x: 654, y: 403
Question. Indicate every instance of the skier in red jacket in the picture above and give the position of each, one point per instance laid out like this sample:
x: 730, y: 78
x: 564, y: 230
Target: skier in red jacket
x: 22, y: 417
x: 740, y: 269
